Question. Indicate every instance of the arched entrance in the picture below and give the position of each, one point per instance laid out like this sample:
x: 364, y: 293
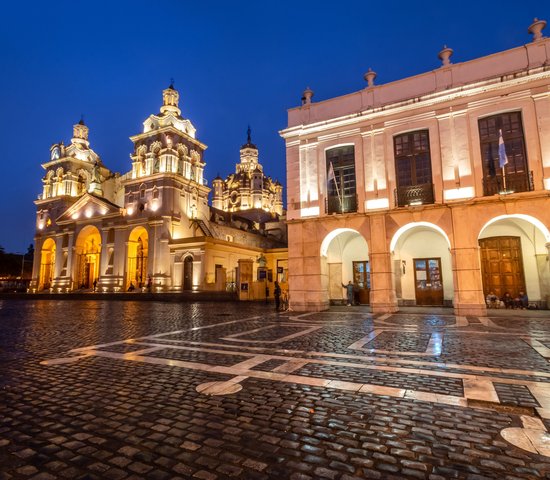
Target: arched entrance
x: 514, y: 257
x: 344, y: 258
x: 188, y: 273
x: 47, y: 264
x: 138, y: 248
x: 88, y: 250
x: 422, y: 265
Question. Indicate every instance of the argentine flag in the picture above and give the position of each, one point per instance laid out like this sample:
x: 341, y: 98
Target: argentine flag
x: 502, y: 158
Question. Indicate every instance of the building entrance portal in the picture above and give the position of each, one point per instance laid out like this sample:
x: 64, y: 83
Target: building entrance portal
x: 427, y: 281
x: 513, y: 252
x: 47, y: 262
x: 346, y: 254
x: 422, y: 265
x: 188, y: 273
x: 138, y: 247
x: 88, y: 249
x: 502, y: 265
x: 361, y: 280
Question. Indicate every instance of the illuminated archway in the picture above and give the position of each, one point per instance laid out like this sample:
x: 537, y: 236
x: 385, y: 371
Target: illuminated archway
x: 514, y: 256
x: 138, y: 253
x: 88, y: 251
x: 345, y: 258
x: 422, y: 266
x: 47, y: 264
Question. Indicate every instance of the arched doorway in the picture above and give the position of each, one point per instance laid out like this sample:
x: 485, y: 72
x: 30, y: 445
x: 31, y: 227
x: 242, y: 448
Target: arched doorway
x: 514, y: 257
x: 88, y: 250
x: 47, y: 264
x: 344, y: 258
x: 188, y: 273
x: 422, y: 265
x: 138, y: 248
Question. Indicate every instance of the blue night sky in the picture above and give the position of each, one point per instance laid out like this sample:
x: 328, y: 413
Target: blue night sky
x: 234, y: 64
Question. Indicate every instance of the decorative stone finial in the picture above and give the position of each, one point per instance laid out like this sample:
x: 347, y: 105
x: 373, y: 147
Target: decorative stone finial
x: 307, y: 96
x: 369, y: 77
x: 445, y: 55
x: 536, y: 29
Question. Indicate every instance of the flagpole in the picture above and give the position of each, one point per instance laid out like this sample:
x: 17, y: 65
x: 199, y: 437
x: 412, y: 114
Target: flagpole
x: 332, y: 177
x: 339, y: 197
x: 502, y: 157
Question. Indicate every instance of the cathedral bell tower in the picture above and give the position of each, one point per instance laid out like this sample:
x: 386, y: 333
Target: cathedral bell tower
x: 167, y: 164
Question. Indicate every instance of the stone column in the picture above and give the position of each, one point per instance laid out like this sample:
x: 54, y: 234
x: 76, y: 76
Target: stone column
x: 308, y: 273
x: 37, y: 259
x: 468, y: 296
x: 468, y: 283
x: 382, y: 294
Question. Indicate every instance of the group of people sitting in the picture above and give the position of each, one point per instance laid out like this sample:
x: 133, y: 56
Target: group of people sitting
x: 508, y: 301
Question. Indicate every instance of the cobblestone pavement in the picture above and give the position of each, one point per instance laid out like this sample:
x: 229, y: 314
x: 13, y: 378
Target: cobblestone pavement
x: 131, y: 390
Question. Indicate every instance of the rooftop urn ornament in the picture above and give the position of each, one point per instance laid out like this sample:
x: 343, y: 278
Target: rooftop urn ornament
x: 307, y: 96
x: 445, y: 55
x: 369, y: 77
x: 536, y: 29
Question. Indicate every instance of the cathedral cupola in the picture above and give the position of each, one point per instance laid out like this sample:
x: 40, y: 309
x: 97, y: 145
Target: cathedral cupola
x: 80, y: 133
x: 249, y: 155
x: 170, y: 99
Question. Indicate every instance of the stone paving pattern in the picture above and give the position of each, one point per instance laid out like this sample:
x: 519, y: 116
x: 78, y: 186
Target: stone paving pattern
x: 100, y: 418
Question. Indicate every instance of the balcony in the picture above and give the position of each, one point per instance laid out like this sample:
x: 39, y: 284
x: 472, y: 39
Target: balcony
x: 414, y: 195
x: 515, y: 182
x: 348, y: 205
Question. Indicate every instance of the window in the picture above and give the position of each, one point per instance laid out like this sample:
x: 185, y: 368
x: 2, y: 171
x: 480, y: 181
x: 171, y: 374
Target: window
x: 515, y: 177
x: 413, y: 168
x: 341, y: 188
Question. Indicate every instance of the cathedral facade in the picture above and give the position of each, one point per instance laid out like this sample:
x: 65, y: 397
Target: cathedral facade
x: 151, y: 228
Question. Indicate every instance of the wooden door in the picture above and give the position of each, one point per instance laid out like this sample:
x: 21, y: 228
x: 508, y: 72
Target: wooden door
x: 428, y: 281
x: 361, y: 280
x: 188, y: 273
x: 502, y: 265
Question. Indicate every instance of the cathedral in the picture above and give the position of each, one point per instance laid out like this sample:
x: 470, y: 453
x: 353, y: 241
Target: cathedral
x: 249, y: 190
x: 152, y: 228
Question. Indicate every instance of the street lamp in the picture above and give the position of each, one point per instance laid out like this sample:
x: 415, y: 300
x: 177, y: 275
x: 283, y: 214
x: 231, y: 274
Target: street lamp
x: 22, y: 263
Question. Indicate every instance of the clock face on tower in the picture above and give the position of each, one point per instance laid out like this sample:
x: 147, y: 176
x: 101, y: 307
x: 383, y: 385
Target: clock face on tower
x: 55, y: 153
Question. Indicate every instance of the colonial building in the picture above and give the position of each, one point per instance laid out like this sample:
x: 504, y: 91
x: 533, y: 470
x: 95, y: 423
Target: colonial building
x: 249, y: 191
x: 151, y: 227
x: 431, y: 190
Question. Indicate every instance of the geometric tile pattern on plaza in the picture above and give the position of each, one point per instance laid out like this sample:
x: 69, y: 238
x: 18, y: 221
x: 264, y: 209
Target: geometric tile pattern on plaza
x: 111, y: 392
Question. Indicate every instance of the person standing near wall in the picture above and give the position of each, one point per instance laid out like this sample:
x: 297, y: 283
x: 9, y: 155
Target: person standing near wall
x: 349, y: 292
x: 277, y: 295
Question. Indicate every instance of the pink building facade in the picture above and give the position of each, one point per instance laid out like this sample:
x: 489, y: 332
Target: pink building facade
x: 430, y: 190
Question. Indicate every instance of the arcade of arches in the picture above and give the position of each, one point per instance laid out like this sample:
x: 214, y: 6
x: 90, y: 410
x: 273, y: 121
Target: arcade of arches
x: 421, y: 266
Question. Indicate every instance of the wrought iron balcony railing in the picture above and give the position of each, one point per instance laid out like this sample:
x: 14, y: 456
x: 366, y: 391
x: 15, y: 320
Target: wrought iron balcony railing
x: 344, y: 204
x: 514, y: 182
x: 414, y: 195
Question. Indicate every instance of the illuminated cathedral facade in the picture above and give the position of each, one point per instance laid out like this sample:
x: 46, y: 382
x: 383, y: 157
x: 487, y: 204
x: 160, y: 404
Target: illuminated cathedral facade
x: 151, y: 228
